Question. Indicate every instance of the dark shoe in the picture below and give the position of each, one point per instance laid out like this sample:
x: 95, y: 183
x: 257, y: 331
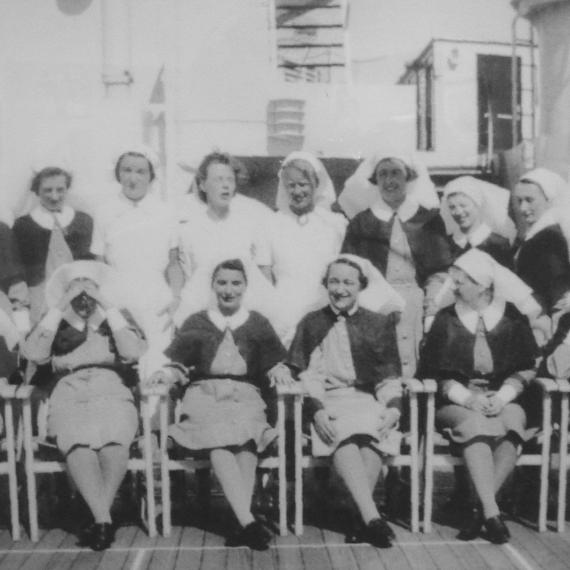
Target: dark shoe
x: 497, y: 532
x: 378, y: 533
x: 102, y: 536
x: 472, y: 528
x: 254, y: 535
x: 84, y: 534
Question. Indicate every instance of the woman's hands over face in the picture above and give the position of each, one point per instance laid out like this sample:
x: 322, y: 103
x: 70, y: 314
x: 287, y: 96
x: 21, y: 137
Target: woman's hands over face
x: 324, y: 426
x: 93, y: 291
x: 74, y: 289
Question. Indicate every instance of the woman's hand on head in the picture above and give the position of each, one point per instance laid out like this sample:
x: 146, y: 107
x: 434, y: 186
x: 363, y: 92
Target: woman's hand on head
x: 95, y: 293
x: 324, y: 426
x: 74, y: 289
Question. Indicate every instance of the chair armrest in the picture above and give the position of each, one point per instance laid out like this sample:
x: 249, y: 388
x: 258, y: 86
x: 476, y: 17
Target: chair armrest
x: 430, y: 386
x: 161, y: 390
x: 547, y: 385
x: 294, y: 390
x: 413, y: 385
x: 563, y: 385
x: 18, y: 392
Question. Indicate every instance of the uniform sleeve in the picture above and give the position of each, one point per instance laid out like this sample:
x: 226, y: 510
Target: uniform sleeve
x: 98, y: 239
x: 11, y: 270
x: 555, y: 265
x: 351, y: 238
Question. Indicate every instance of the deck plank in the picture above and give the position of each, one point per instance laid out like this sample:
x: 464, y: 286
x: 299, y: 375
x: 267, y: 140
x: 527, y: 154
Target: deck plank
x: 37, y: 561
x: 288, y: 558
x: 185, y: 559
x: 341, y: 557
x: 314, y: 558
x: 165, y: 559
x: 540, y: 553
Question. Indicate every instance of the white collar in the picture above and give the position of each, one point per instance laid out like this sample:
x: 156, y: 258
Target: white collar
x: 77, y: 323
x: 384, y: 212
x: 351, y: 312
x: 547, y: 219
x: 148, y: 203
x: 232, y: 322
x: 492, y: 314
x: 45, y: 218
x: 475, y: 238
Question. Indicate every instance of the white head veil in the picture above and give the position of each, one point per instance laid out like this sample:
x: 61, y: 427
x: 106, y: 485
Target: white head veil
x: 482, y: 268
x: 378, y: 296
x: 557, y: 192
x: 492, y: 201
x: 324, y: 192
x: 143, y: 150
x: 359, y: 193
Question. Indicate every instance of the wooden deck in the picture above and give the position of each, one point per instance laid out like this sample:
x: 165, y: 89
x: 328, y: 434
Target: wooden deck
x: 194, y: 548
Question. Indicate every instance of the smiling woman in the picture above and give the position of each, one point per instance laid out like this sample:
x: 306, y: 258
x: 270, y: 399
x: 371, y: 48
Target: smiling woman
x: 53, y: 233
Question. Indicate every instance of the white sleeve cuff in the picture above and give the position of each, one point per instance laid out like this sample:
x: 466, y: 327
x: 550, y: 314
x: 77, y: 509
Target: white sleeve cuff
x: 115, y: 319
x: 507, y: 393
x: 52, y: 319
x: 566, y: 340
x: 458, y: 394
x: 530, y: 307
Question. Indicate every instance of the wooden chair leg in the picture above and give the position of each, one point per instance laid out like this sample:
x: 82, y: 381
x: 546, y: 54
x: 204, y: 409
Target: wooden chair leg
x: 545, y: 460
x: 282, y: 470
x: 30, y: 475
x: 164, y: 471
x: 414, y: 469
x: 12, y: 478
x: 297, y: 404
x: 429, y: 444
x: 148, y: 465
x: 563, y: 457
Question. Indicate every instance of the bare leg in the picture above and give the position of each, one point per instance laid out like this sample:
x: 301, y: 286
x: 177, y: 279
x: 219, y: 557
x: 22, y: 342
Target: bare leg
x: 350, y: 466
x: 505, y: 459
x: 247, y: 462
x: 479, y: 462
x: 373, y: 465
x: 229, y: 475
x: 84, y: 469
x: 114, y: 462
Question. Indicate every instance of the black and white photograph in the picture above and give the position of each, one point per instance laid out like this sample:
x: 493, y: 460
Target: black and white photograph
x: 284, y: 284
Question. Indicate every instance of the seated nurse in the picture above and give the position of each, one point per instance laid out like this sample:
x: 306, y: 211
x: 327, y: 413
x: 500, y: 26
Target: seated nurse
x: 347, y: 358
x: 227, y: 356
x: 481, y: 351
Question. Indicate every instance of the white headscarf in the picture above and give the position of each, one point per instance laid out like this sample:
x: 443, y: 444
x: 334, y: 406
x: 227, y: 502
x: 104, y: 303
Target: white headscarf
x: 324, y: 192
x: 100, y: 273
x: 483, y: 269
x: 359, y: 193
x: 491, y: 200
x: 378, y: 296
x: 142, y: 149
x: 557, y: 192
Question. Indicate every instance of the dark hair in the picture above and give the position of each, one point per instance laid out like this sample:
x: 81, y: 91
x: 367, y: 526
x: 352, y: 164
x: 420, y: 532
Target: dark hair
x: 305, y: 168
x: 215, y: 157
x: 411, y: 174
x: 233, y: 265
x: 362, y: 279
x: 139, y: 155
x: 48, y: 172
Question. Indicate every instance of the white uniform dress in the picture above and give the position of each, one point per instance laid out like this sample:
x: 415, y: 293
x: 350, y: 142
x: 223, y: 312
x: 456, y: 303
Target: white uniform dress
x: 205, y: 241
x: 301, y: 247
x: 135, y: 238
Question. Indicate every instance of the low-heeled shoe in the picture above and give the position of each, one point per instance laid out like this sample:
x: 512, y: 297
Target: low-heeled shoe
x: 378, y: 533
x: 497, y: 531
x: 472, y: 527
x: 254, y: 535
x: 102, y: 536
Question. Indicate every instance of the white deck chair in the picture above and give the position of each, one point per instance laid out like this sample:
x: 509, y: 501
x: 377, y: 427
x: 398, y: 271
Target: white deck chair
x: 564, y: 388
x: 168, y: 465
x: 438, y: 456
x: 411, y: 459
x: 9, y: 395
x: 34, y: 465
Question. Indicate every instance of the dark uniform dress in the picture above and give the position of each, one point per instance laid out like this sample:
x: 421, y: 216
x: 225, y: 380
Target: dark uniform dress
x: 542, y: 263
x: 33, y: 243
x: 227, y: 368
x: 350, y: 367
x: 11, y: 270
x: 91, y: 403
x: 407, y: 250
x: 497, y: 246
x: 450, y: 355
